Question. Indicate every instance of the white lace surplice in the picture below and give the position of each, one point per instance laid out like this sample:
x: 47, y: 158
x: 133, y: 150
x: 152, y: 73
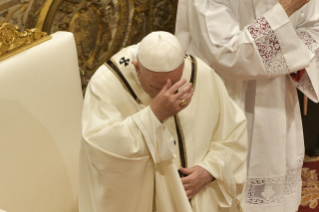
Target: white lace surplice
x: 254, y: 47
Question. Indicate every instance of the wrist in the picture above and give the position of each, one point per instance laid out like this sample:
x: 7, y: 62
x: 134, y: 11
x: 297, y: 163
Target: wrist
x: 287, y: 9
x: 208, y: 176
x: 289, y: 12
x: 157, y: 113
x: 291, y: 6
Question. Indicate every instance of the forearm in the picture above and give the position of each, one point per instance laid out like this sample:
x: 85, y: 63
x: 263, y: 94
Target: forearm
x: 277, y: 43
x: 136, y: 136
x: 268, y: 47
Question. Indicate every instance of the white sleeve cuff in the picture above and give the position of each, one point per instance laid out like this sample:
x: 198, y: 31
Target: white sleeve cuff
x: 157, y: 137
x: 277, y: 17
x: 290, y: 45
x: 217, y: 166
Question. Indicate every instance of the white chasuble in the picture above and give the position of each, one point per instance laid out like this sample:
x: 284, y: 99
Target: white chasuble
x: 129, y: 160
x: 262, y: 56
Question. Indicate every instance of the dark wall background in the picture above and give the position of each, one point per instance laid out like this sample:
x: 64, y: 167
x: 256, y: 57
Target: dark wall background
x: 310, y: 121
x: 101, y: 27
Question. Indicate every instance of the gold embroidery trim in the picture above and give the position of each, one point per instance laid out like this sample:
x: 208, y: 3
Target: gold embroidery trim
x: 13, y: 42
x: 239, y: 206
x: 154, y: 194
x: 192, y: 205
x: 118, y: 77
x: 185, y: 150
x: 183, y: 139
x: 114, y: 62
x: 194, y: 61
x: 122, y: 82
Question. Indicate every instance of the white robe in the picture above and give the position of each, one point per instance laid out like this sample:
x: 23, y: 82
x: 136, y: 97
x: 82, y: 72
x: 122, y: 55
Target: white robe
x: 124, y: 145
x: 254, y: 46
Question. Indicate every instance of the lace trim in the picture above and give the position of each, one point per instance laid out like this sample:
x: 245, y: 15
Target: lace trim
x: 265, y: 191
x: 312, y: 45
x: 304, y: 84
x: 268, y: 47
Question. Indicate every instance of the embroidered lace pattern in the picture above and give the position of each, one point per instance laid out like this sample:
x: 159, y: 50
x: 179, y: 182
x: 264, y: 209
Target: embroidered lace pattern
x: 268, y: 47
x: 312, y: 45
x: 304, y: 84
x: 265, y: 191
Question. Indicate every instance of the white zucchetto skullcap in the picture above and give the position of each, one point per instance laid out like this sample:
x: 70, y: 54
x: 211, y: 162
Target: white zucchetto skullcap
x: 160, y: 52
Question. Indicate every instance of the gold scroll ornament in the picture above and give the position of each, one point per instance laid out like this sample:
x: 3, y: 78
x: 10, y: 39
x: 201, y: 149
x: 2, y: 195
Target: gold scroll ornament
x: 13, y: 42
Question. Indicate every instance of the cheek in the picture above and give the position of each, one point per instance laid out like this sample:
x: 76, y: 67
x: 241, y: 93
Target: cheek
x: 151, y: 92
x: 145, y: 87
x: 155, y: 92
x: 140, y: 77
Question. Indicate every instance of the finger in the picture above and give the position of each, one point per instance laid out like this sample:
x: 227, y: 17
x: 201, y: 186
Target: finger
x: 188, y: 97
x: 187, y: 186
x: 186, y: 180
x: 189, y: 179
x: 184, y: 91
x: 189, y: 194
x: 187, y: 171
x: 168, y: 84
x: 176, y: 86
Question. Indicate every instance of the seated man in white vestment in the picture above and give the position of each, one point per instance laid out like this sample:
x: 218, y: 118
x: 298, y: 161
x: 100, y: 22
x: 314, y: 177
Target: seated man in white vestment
x: 160, y: 133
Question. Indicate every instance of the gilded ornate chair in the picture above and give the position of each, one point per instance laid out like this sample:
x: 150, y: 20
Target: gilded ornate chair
x: 40, y: 121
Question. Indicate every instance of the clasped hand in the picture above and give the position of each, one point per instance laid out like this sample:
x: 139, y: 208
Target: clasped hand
x: 197, y: 178
x: 168, y: 102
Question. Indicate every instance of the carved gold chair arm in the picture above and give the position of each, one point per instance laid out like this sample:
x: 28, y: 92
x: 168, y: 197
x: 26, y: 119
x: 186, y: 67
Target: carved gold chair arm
x: 13, y: 42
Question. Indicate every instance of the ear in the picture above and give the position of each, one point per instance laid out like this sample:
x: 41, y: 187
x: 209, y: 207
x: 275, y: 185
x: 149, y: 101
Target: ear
x: 137, y: 69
